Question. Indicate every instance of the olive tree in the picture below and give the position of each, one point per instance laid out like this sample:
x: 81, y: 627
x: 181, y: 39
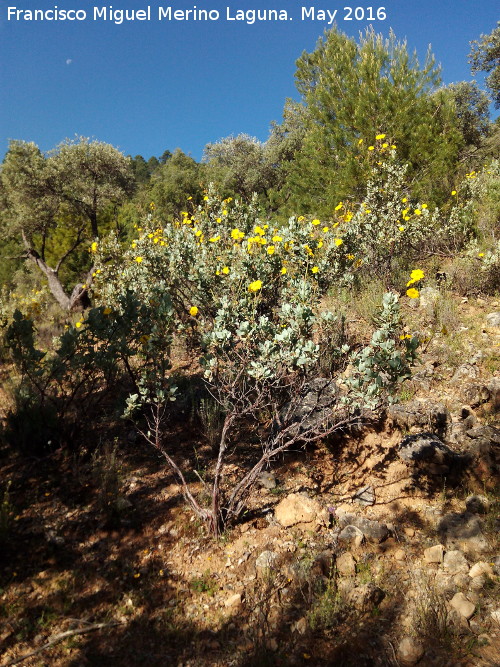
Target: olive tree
x: 54, y: 203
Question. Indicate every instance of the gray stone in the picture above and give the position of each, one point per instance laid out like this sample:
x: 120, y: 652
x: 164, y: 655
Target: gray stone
x: 233, y: 602
x: 318, y: 398
x: 364, y: 598
x: 410, y: 651
x: 374, y: 531
x: 455, y: 562
x: 420, y: 413
x: 476, y: 394
x: 481, y: 568
x: 493, y: 319
x: 426, y: 452
x: 365, y: 496
x: 346, y: 565
x: 461, y: 604
x: 494, y: 389
x: 267, y: 480
x: 434, y: 554
x: 477, y: 504
x: 463, y: 531
x: 351, y: 535
x: 297, y: 508
x: 465, y: 371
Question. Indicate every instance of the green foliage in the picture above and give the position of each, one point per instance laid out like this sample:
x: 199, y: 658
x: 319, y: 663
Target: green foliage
x: 240, y: 166
x: 385, y: 363
x: 67, y: 384
x: 485, y: 57
x: 472, y: 111
x: 54, y: 203
x: 178, y: 178
x: 353, y: 91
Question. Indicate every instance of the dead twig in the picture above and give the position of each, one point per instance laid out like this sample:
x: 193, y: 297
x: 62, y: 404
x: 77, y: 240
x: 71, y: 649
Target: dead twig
x: 57, y: 638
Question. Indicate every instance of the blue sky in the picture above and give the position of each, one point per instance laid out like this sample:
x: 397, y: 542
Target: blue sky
x: 147, y: 86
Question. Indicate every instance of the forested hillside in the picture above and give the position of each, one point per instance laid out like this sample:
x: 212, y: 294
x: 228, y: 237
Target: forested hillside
x: 250, y: 405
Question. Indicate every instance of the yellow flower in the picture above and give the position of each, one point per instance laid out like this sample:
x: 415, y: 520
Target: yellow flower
x: 78, y: 325
x: 315, y: 221
x: 300, y: 218
x: 106, y: 311
x: 315, y: 269
x: 348, y: 216
x: 401, y: 228
x: 415, y: 276
x: 138, y: 260
x: 258, y: 230
x: 225, y: 270
x: 198, y: 232
x: 214, y: 239
x: 406, y: 217
x: 277, y: 239
x: 380, y: 136
x: 319, y: 244
x: 218, y: 220
x: 255, y: 286
x: 424, y: 206
x: 93, y: 247
x: 270, y: 249
x: 283, y: 270
x: 385, y: 145
x: 338, y: 242
x: 150, y: 236
x: 350, y: 257
x: 371, y: 148
x: 237, y: 235
x: 412, y: 293
x: 481, y: 254
x: 418, y: 211
x: 404, y: 200
x: 325, y: 229
x: 393, y: 146
x: 193, y: 311
x: 339, y: 206
x: 205, y: 198
x: 224, y: 212
x: 453, y: 192
x: 360, y: 141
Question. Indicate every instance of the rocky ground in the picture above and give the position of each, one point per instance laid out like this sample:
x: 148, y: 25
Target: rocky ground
x: 377, y: 548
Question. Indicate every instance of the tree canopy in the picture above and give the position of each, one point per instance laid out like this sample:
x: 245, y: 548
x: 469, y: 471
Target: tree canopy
x: 485, y: 57
x: 350, y: 93
x: 54, y: 203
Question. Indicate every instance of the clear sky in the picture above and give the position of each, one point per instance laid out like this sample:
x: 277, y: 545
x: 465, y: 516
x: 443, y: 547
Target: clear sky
x: 148, y: 86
